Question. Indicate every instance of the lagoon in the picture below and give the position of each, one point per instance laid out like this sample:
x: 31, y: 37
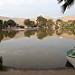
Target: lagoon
x: 36, y: 49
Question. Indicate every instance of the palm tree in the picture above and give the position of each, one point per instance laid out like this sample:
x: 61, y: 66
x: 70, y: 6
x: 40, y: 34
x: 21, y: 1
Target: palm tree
x: 67, y: 3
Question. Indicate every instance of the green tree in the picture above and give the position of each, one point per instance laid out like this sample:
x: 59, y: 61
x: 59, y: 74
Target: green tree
x: 29, y: 23
x: 44, y: 21
x: 59, y: 22
x: 73, y: 23
x: 5, y: 24
x: 41, y: 21
x: 32, y: 23
x: 11, y: 23
x: 1, y: 24
x: 1, y: 21
x: 50, y: 23
x: 67, y: 4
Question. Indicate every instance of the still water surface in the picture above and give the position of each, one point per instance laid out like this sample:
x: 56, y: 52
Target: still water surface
x: 37, y: 49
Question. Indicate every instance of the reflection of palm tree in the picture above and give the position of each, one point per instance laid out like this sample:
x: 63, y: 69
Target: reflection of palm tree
x: 67, y: 3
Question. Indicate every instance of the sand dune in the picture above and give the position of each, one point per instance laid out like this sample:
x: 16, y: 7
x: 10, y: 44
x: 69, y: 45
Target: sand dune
x: 67, y: 71
x: 17, y: 20
x: 34, y: 19
x: 4, y: 18
x: 21, y: 20
x: 66, y: 18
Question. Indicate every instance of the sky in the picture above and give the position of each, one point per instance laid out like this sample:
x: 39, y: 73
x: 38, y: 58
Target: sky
x: 33, y: 8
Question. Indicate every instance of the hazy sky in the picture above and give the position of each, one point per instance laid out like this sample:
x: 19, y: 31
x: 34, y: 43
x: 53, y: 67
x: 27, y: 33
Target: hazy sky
x: 32, y: 8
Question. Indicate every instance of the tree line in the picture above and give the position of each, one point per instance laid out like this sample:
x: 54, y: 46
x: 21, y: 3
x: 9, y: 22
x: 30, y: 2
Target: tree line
x: 41, y: 33
x: 10, y: 34
x: 9, y: 24
x: 40, y: 22
x: 48, y: 23
x: 5, y: 24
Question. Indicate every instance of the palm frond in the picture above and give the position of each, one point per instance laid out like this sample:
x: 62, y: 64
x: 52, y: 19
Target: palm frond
x: 59, y: 1
x: 67, y: 3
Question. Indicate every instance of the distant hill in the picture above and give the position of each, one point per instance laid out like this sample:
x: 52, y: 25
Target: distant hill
x: 4, y: 18
x: 21, y: 20
x: 66, y: 18
x: 34, y: 19
x: 17, y: 20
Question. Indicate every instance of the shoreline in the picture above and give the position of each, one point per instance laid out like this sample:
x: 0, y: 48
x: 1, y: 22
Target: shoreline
x: 58, y: 71
x: 40, y: 69
x: 58, y: 68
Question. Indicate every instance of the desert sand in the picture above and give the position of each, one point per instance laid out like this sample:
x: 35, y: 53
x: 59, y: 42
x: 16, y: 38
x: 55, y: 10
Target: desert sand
x: 67, y: 71
x: 21, y: 20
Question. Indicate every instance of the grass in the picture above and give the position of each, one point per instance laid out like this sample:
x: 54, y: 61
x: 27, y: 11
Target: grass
x: 4, y: 68
x: 56, y: 27
x: 68, y: 27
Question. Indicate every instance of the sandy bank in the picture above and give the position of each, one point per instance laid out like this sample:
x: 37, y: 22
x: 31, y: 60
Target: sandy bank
x: 67, y: 71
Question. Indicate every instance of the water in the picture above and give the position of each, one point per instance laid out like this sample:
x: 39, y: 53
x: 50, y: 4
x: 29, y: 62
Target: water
x: 37, y: 49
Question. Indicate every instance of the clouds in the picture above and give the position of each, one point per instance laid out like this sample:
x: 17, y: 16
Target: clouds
x: 29, y: 8
x: 5, y: 2
x: 27, y: 2
x: 40, y: 2
x: 25, y: 7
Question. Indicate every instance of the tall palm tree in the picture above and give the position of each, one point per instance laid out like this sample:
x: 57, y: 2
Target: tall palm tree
x: 67, y: 3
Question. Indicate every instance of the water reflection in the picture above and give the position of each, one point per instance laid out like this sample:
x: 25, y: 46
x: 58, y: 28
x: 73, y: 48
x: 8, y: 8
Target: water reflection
x: 68, y: 31
x: 34, y: 53
x: 29, y: 33
x: 29, y: 52
x: 40, y: 33
x: 46, y: 32
x: 9, y: 33
x: 1, y: 35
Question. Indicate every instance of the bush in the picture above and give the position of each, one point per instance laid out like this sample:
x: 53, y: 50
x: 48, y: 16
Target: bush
x: 21, y: 26
x: 11, y: 23
x: 1, y: 64
x: 56, y: 27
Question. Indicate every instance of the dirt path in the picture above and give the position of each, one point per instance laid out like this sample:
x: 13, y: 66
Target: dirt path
x: 69, y: 71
